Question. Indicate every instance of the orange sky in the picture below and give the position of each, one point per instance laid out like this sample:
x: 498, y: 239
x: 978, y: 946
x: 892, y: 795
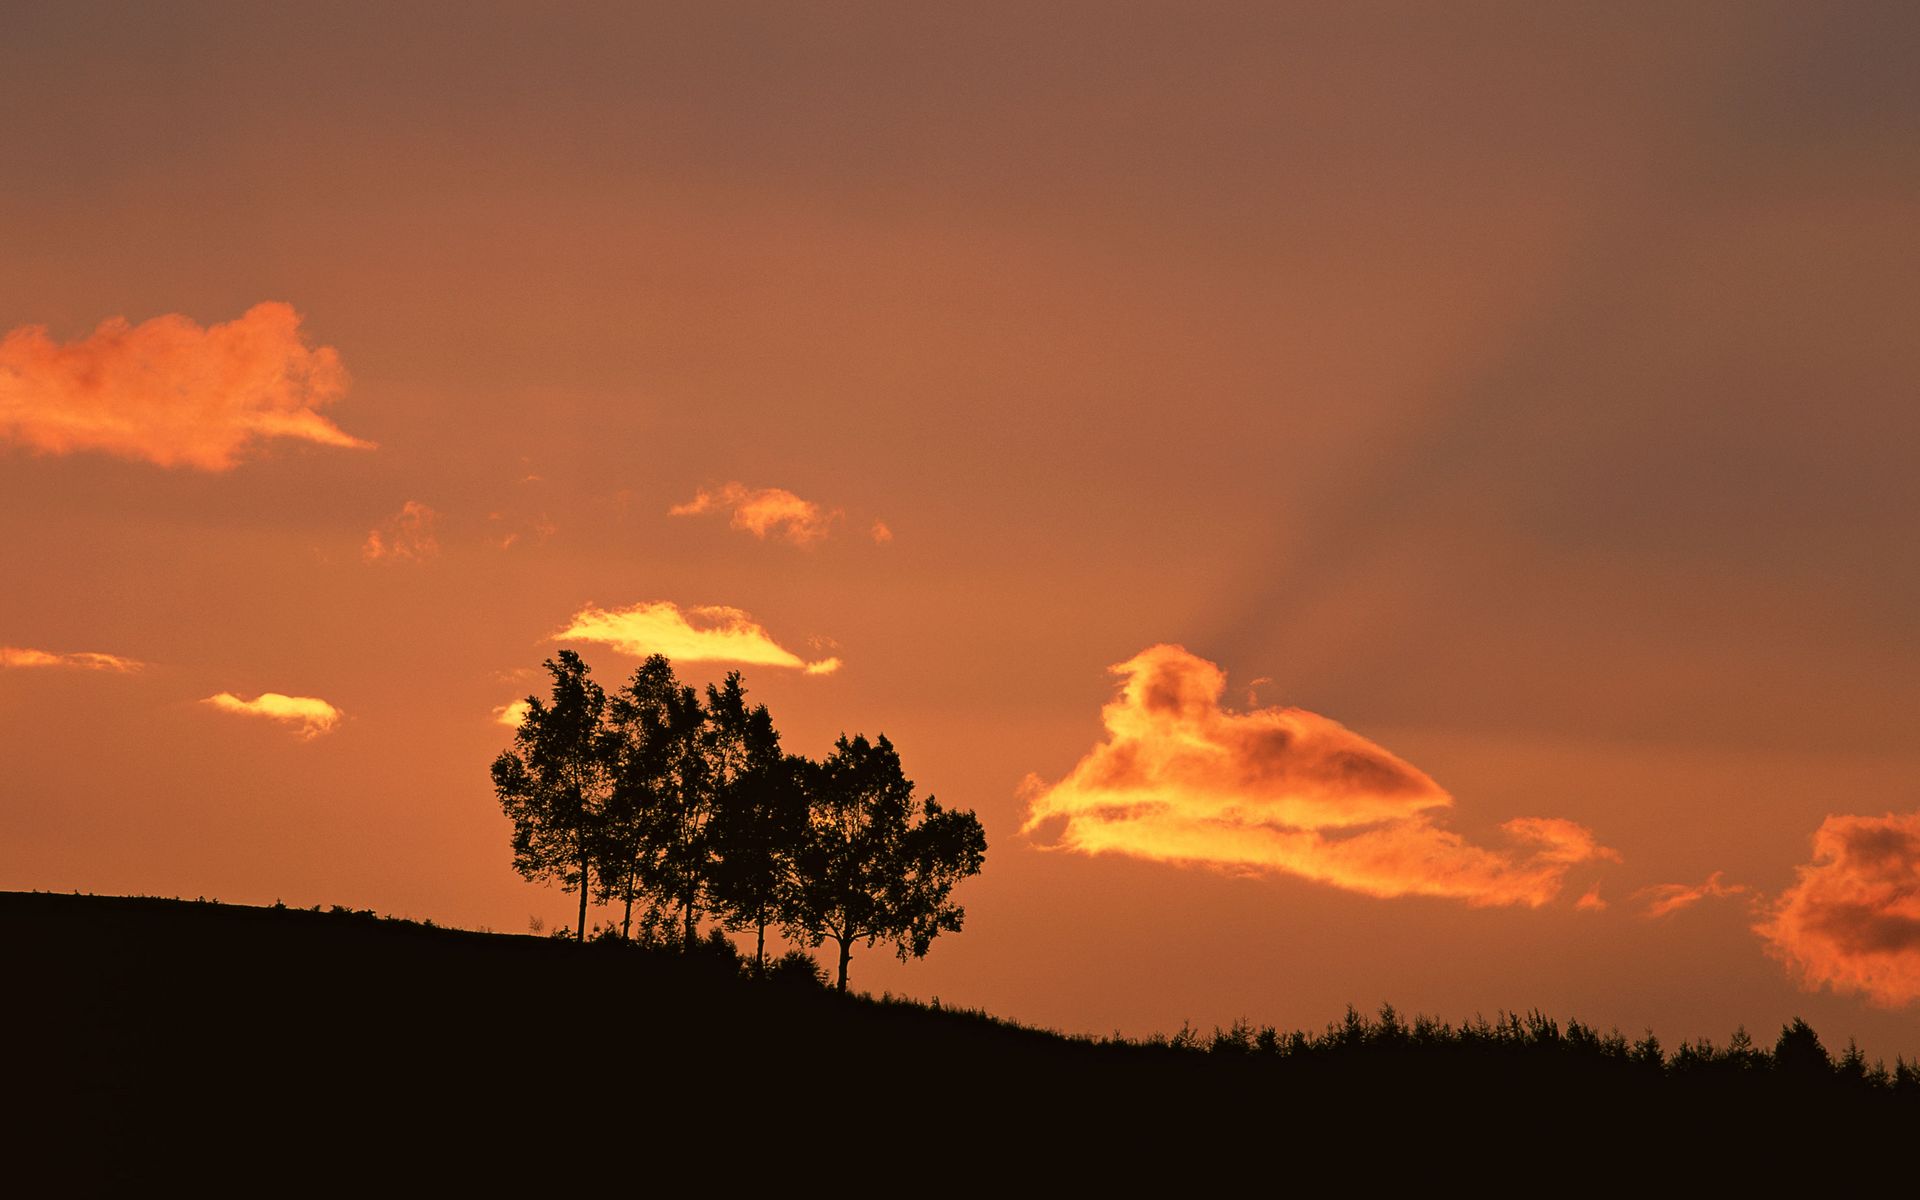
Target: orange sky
x: 1480, y: 439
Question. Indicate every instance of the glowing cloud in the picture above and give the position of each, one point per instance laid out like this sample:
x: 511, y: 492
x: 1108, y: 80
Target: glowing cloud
x: 761, y: 511
x: 701, y: 634
x: 880, y: 534
x: 82, y: 660
x: 312, y: 716
x: 1851, y: 920
x: 1665, y: 898
x: 1182, y: 779
x: 407, y: 536
x: 169, y: 392
x: 511, y: 715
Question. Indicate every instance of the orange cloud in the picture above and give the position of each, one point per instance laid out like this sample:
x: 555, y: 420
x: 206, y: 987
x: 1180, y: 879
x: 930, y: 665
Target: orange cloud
x: 407, y: 536
x: 700, y: 634
x: 84, y: 660
x: 1666, y: 898
x: 1851, y: 920
x: 1182, y: 779
x: 313, y: 716
x: 762, y: 511
x: 880, y: 533
x: 1591, y: 900
x: 169, y: 392
x: 511, y: 715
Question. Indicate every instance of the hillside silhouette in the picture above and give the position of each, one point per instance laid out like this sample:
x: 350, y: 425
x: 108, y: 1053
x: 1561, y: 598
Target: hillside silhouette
x: 205, y: 1042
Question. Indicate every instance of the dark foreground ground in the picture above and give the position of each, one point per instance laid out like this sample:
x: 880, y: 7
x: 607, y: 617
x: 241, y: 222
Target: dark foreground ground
x: 271, y: 1051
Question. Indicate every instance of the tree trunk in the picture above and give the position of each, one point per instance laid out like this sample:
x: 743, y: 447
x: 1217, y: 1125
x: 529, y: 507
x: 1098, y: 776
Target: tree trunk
x: 626, y: 919
x: 760, y: 948
x: 689, y: 905
x: 581, y: 936
x: 846, y: 956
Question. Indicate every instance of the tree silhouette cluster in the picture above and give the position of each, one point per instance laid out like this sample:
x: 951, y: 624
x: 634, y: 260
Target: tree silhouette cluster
x: 688, y: 807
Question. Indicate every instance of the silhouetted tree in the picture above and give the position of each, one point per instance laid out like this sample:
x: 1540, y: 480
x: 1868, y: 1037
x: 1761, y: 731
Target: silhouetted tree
x: 1741, y: 1054
x: 554, y: 785
x: 942, y: 848
x: 665, y: 791
x: 1799, y: 1052
x: 642, y: 757
x: 876, y: 863
x: 759, y: 819
x: 1852, y: 1067
x: 1906, y: 1078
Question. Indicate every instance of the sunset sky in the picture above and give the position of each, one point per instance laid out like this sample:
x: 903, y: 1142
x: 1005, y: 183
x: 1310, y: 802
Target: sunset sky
x: 1368, y: 503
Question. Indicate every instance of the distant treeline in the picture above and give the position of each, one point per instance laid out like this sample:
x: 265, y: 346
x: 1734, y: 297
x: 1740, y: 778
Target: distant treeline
x: 690, y: 809
x: 1797, y: 1054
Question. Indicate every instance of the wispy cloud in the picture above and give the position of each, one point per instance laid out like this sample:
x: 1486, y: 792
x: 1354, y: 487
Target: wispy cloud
x: 880, y: 533
x: 1183, y: 779
x: 701, y: 634
x: 170, y: 392
x: 510, y: 530
x: 309, y: 715
x: 407, y: 536
x: 764, y: 511
x: 511, y: 715
x: 1851, y: 920
x: 82, y: 660
x: 1665, y: 898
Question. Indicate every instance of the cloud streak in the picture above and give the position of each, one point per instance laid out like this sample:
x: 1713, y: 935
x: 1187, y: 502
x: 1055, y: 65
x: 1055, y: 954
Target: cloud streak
x: 700, y: 634
x: 407, y: 536
x: 1664, y: 899
x: 1182, y: 779
x: 1851, y: 920
x: 169, y: 392
x: 309, y: 716
x: 80, y: 660
x: 763, y: 512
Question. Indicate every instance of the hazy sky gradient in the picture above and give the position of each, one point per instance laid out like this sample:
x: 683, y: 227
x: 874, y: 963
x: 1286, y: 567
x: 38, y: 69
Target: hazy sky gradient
x: 1530, y: 390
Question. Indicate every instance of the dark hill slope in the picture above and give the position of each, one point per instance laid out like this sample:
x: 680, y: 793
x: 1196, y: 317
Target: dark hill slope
x: 283, y: 1050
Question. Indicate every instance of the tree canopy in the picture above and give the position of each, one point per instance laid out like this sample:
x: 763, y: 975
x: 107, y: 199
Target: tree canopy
x: 556, y: 782
x: 667, y: 797
x: 876, y: 863
x: 760, y: 820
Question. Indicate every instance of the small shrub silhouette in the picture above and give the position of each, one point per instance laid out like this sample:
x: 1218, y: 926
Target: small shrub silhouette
x: 798, y: 969
x: 717, y: 950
